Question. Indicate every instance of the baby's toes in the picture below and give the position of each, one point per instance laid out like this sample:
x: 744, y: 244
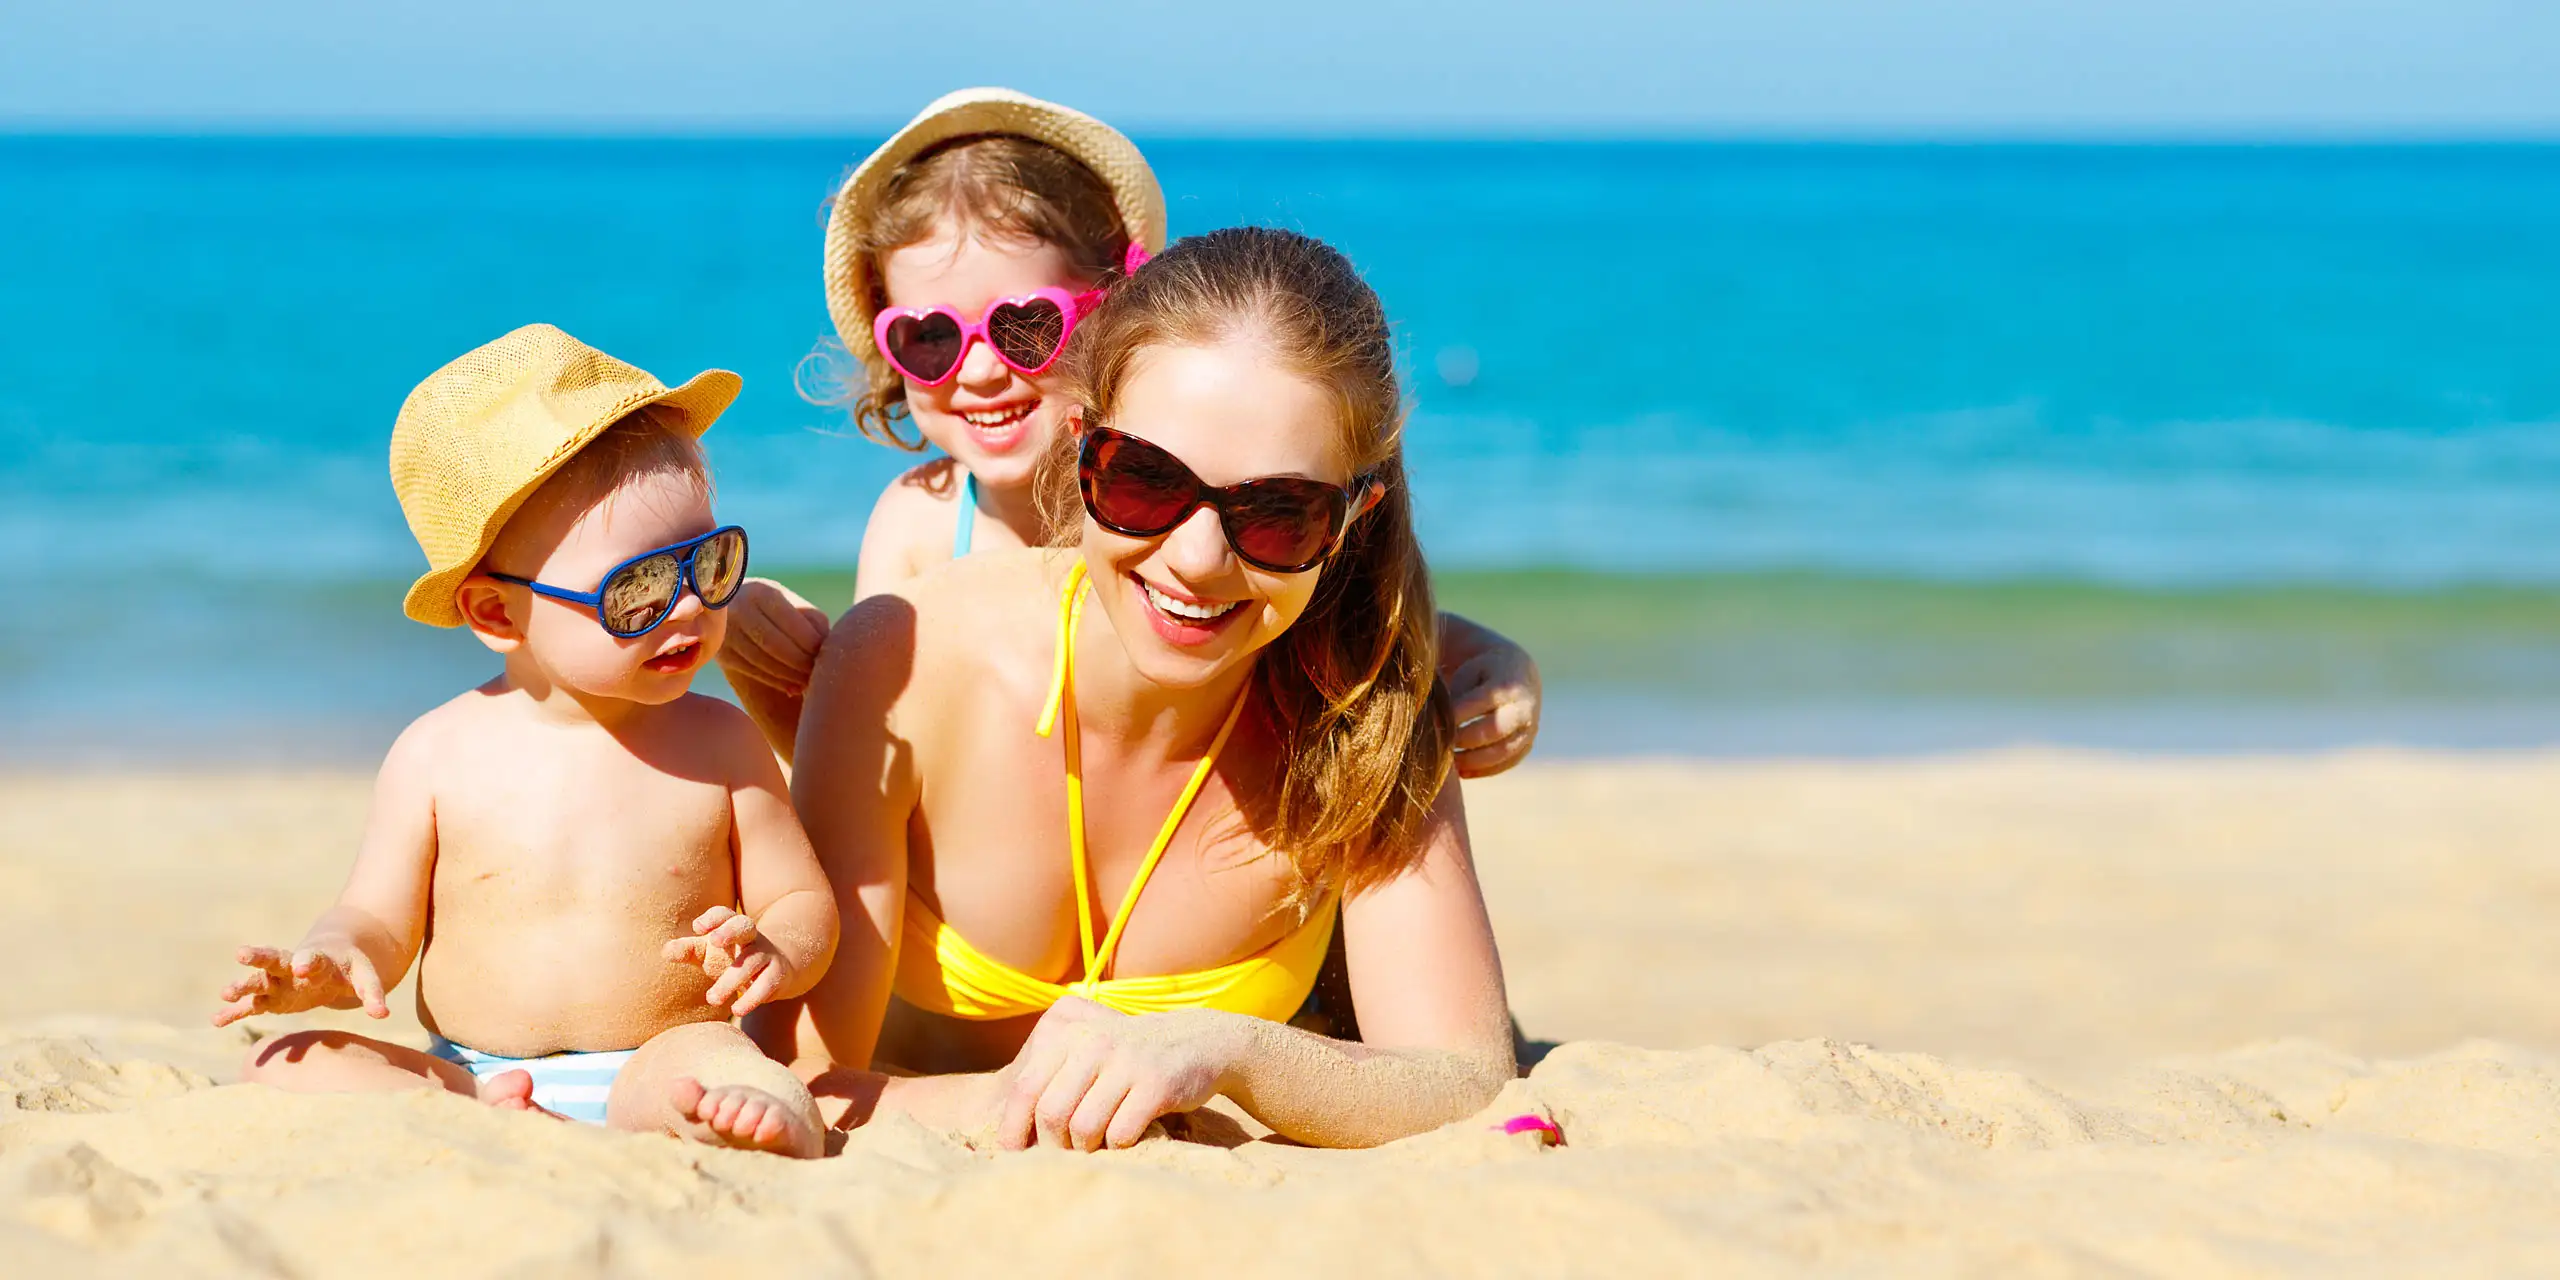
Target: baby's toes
x: 509, y: 1091
x: 738, y: 1116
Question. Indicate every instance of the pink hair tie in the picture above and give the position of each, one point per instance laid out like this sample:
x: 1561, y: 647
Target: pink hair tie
x: 1135, y: 258
x: 1548, y: 1134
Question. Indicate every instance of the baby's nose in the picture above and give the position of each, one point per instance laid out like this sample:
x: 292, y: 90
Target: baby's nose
x: 688, y: 605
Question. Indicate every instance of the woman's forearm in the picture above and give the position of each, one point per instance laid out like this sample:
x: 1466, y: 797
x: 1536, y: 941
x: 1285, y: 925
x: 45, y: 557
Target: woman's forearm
x: 1335, y: 1093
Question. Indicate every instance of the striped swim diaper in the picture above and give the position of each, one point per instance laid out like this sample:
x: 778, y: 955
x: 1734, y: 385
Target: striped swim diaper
x: 573, y: 1085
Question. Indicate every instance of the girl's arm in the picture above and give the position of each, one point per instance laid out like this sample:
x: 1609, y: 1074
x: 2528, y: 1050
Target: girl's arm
x: 363, y: 945
x: 1435, y: 1024
x: 854, y: 788
x: 1494, y: 693
x: 773, y: 642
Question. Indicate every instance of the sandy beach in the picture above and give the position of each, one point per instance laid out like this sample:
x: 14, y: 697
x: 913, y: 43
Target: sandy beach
x: 2023, y: 1013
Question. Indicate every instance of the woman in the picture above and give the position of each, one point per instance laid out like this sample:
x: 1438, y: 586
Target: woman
x: 1239, y: 735
x: 997, y: 212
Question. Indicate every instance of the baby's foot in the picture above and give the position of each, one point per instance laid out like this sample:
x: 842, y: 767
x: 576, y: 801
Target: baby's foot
x: 740, y: 1116
x: 512, y: 1091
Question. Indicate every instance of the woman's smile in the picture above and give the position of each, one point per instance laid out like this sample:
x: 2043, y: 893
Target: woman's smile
x: 1181, y: 618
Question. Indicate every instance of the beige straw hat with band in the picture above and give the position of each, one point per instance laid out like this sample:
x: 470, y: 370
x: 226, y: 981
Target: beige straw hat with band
x: 482, y: 433
x: 970, y: 112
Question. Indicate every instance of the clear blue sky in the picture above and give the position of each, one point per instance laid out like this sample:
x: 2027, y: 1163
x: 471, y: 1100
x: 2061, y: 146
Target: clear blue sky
x: 2043, y: 67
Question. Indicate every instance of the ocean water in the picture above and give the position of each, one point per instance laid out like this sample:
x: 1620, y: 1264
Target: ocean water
x: 1759, y: 447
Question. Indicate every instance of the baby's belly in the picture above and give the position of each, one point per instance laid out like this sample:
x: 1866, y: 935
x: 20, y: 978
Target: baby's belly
x: 578, y: 979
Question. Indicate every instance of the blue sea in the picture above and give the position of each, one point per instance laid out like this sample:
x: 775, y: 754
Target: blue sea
x: 1759, y: 447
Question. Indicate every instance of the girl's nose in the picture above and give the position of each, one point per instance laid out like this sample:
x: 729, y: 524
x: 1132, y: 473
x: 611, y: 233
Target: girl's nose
x: 1197, y: 548
x: 980, y: 368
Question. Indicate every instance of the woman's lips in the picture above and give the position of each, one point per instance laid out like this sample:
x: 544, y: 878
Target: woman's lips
x: 1179, y: 620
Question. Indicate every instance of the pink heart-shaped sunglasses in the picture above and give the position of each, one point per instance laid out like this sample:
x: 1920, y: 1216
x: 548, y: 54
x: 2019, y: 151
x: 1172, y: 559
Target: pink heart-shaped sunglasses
x: 1027, y: 332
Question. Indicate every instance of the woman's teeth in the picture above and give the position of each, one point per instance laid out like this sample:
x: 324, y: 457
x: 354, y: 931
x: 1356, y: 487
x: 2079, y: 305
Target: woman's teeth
x: 990, y: 419
x: 1184, y: 609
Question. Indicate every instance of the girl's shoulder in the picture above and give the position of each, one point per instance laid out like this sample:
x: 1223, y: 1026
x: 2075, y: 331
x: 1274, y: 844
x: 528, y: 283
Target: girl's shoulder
x: 913, y: 519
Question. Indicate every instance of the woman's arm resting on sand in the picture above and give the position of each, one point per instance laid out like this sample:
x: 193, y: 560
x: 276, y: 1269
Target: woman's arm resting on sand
x: 1494, y: 693
x: 361, y: 947
x: 1435, y: 1023
x: 854, y: 788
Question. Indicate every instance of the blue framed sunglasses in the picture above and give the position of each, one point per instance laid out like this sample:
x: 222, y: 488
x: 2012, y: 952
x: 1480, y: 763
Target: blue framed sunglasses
x: 641, y: 592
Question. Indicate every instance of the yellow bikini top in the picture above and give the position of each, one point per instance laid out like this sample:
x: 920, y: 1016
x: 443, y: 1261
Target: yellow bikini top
x: 939, y: 972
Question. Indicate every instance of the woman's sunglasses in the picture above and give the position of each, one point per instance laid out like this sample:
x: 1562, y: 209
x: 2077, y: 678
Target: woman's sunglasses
x: 641, y: 592
x: 927, y: 344
x: 1283, y: 524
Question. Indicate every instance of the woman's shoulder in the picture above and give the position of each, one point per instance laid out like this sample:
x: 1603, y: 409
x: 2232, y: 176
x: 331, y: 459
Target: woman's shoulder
x: 984, y: 598
x: 959, y: 625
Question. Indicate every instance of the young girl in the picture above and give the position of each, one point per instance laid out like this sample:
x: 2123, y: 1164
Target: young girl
x: 960, y: 257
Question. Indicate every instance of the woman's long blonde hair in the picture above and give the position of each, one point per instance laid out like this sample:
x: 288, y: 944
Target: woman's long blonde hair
x: 1352, y: 688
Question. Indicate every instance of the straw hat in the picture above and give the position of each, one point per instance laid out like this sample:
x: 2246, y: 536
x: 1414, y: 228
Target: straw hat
x: 482, y: 433
x: 1096, y: 145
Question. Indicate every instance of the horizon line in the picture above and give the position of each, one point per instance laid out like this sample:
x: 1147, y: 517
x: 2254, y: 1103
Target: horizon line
x: 784, y: 130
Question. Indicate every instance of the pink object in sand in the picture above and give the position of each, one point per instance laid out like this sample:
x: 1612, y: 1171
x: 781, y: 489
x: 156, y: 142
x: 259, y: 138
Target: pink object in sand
x: 1537, y: 1124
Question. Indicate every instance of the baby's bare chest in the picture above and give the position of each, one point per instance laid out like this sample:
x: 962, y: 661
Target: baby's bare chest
x: 581, y: 829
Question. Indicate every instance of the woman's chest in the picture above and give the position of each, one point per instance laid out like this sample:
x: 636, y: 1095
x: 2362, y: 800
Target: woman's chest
x: 993, y: 851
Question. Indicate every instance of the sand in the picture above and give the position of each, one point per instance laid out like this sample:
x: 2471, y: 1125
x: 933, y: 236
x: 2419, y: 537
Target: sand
x: 2128, y: 1016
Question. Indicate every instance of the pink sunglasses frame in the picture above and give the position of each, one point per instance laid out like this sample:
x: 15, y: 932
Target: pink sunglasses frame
x: 1073, y: 306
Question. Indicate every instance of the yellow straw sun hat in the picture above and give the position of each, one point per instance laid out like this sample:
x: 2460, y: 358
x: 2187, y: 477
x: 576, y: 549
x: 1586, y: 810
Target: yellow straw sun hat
x: 969, y: 112
x: 482, y: 433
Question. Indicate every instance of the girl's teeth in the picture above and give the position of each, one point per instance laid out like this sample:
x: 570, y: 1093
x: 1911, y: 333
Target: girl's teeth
x: 1184, y: 609
x: 999, y: 418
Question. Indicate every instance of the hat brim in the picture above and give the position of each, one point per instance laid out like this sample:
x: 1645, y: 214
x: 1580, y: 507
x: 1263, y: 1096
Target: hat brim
x: 700, y: 401
x: 1095, y: 145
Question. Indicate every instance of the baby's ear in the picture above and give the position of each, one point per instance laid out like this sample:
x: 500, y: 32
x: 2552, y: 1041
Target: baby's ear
x: 487, y: 608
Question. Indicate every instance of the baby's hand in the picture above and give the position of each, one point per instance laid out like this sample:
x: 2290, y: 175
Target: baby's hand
x: 326, y: 973
x: 745, y: 970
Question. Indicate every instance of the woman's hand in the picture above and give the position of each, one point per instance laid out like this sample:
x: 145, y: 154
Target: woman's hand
x: 1494, y: 694
x: 1090, y: 1076
x: 774, y: 637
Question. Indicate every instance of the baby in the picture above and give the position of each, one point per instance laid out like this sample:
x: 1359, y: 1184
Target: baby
x: 593, y: 868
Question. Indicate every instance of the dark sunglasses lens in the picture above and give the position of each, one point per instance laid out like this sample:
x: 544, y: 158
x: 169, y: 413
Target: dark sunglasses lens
x: 719, y: 565
x: 1135, y: 487
x: 1283, y: 525
x: 638, y: 594
x: 926, y: 347
x: 1027, y: 334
